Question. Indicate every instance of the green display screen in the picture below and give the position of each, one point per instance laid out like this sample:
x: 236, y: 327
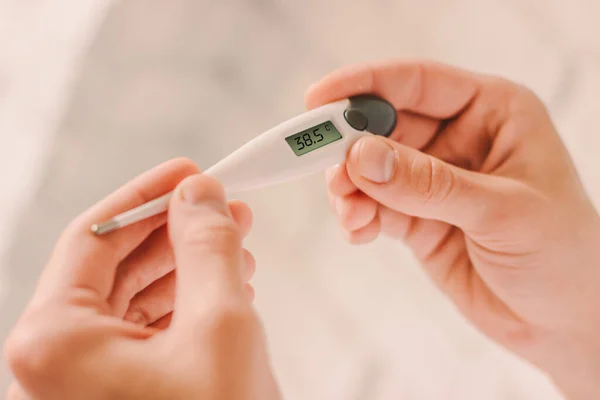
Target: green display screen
x: 313, y: 138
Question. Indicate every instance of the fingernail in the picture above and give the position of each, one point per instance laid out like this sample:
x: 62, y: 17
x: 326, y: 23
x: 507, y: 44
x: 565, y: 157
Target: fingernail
x: 376, y: 160
x: 337, y: 204
x: 137, y: 317
x: 190, y: 190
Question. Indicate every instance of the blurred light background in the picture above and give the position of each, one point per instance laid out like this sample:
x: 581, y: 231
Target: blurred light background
x: 93, y: 92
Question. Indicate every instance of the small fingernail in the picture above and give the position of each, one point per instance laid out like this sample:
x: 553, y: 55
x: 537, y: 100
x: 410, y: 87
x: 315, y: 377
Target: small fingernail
x: 136, y: 317
x: 337, y: 205
x: 330, y: 173
x: 376, y: 159
x: 190, y: 190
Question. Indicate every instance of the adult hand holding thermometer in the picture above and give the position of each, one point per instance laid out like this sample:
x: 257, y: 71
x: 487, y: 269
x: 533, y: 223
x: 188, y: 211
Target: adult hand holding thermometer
x: 303, y: 145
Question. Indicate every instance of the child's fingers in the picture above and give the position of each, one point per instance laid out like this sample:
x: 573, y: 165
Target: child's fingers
x: 154, y: 259
x: 82, y: 259
x: 355, y: 211
x: 365, y: 234
x: 338, y: 181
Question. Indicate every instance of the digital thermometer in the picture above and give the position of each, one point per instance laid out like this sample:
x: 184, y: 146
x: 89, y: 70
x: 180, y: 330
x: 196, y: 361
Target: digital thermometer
x: 303, y: 145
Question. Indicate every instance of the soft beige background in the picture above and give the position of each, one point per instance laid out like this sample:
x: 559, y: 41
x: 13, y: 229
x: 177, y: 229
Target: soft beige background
x: 93, y: 92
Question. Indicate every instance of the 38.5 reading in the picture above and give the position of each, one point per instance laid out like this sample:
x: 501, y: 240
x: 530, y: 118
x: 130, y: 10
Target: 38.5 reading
x: 307, y: 140
x: 313, y: 138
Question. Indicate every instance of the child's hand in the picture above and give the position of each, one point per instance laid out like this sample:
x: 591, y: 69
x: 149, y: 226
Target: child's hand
x: 72, y: 341
x: 477, y: 182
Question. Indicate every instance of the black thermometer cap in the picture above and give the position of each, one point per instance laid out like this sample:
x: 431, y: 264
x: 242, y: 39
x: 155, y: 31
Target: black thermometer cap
x: 371, y: 113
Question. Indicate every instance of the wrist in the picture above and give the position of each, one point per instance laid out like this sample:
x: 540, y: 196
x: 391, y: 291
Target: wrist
x: 572, y: 362
x: 571, y: 357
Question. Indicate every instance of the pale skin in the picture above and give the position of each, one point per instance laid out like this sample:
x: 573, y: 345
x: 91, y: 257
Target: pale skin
x: 474, y: 179
x: 100, y: 325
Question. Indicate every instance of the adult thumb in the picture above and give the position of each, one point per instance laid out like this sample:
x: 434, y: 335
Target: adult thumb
x: 206, y: 242
x: 414, y: 183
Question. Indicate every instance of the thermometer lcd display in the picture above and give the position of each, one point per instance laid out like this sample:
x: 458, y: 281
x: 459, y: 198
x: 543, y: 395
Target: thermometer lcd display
x: 313, y: 138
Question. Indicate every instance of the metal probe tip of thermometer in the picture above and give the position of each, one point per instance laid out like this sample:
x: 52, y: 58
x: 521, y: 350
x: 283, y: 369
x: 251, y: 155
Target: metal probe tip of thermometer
x: 303, y: 145
x: 147, y: 210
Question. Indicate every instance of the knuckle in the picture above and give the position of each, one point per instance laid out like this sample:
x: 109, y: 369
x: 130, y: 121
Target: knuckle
x: 502, y: 92
x: 505, y: 98
x: 523, y: 93
x: 431, y: 178
x: 522, y: 98
x: 502, y: 87
x: 526, y: 95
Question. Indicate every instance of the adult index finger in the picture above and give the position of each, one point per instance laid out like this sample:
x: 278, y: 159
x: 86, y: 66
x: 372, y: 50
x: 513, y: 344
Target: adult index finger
x: 426, y: 88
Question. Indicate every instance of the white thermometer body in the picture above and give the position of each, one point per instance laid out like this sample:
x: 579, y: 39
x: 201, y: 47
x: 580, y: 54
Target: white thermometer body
x: 270, y: 158
x: 303, y: 145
